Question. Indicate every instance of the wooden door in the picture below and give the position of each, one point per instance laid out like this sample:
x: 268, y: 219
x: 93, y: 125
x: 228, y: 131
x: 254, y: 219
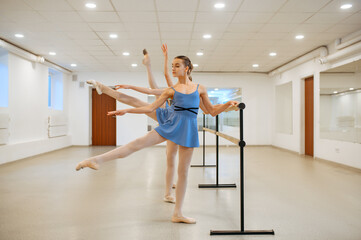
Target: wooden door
x: 309, y: 116
x: 103, y: 126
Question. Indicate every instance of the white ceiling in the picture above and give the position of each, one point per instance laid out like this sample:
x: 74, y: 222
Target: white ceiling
x: 243, y: 33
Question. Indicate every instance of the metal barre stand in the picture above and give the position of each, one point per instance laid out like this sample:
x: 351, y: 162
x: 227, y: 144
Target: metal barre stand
x: 217, y: 185
x: 241, y: 144
x: 204, y: 146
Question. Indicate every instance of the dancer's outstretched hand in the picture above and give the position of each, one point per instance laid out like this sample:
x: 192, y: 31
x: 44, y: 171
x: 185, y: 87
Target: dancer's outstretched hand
x: 165, y: 50
x: 120, y: 112
x: 123, y: 86
x: 233, y: 103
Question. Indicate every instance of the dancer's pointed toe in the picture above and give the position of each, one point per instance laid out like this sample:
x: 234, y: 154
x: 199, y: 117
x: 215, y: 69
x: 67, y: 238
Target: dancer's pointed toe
x: 182, y: 219
x: 95, y: 84
x: 87, y: 163
x: 169, y: 199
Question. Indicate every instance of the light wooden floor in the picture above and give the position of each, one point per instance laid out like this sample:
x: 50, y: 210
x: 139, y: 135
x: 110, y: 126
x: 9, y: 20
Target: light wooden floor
x: 43, y: 197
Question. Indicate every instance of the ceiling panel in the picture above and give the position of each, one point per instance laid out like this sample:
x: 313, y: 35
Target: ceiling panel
x: 138, y: 17
x: 243, y: 33
x: 304, y: 5
x: 262, y: 5
x: 63, y: 16
x: 176, y: 17
x: 133, y: 6
x: 49, y: 5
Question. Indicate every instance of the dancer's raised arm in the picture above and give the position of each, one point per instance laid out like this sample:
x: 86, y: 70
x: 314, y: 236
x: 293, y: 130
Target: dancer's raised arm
x: 168, y: 93
x: 146, y: 62
x: 213, y: 109
x: 166, y: 73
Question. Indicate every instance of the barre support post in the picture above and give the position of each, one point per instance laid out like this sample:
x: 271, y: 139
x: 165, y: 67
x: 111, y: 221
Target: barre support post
x: 242, y: 144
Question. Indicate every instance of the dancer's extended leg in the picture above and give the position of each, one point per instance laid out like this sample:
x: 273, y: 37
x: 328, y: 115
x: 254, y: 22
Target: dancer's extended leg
x: 172, y: 149
x: 185, y: 157
x: 121, y: 97
x: 150, y: 139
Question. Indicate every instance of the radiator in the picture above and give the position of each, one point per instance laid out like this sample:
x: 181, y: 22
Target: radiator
x: 4, y: 128
x: 57, y: 126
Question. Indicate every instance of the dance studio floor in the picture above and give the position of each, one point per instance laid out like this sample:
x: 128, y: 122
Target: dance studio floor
x: 43, y: 197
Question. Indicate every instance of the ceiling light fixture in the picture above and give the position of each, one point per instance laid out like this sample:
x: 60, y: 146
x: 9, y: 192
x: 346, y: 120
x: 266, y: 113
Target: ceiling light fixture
x: 18, y: 35
x: 91, y: 5
x: 52, y: 53
x: 219, y: 5
x: 272, y: 54
x: 351, y: 89
x: 134, y: 65
x: 346, y: 6
x: 300, y: 37
x: 113, y: 35
x: 255, y: 65
x: 207, y: 36
x: 335, y: 92
x: 126, y: 54
x: 73, y: 65
x: 199, y: 54
x: 195, y: 65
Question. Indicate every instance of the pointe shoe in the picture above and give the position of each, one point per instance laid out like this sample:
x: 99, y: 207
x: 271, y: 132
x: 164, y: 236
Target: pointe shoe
x: 174, y: 186
x: 182, y: 219
x: 94, y: 83
x: 146, y: 59
x: 169, y: 199
x: 87, y: 163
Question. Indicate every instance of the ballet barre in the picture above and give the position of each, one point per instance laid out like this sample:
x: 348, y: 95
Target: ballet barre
x: 217, y: 184
x: 241, y: 143
x: 204, y: 147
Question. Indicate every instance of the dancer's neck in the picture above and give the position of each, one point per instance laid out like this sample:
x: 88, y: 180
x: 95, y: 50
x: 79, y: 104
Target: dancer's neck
x: 184, y: 80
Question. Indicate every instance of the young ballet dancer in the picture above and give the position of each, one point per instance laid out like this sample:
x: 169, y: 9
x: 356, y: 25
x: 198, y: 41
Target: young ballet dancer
x: 180, y: 127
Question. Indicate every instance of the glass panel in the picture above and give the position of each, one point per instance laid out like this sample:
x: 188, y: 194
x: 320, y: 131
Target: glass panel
x: 340, y: 103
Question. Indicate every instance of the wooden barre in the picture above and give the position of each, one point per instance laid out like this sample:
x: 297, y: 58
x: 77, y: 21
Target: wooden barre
x: 229, y: 138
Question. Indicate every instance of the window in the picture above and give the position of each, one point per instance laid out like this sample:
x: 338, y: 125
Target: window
x: 55, y: 90
x: 4, y: 79
x: 340, y: 103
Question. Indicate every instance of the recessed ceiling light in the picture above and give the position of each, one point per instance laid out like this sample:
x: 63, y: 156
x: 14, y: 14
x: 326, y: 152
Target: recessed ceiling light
x: 18, y: 35
x: 346, y: 6
x: 272, y: 54
x: 113, y: 35
x: 91, y: 5
x: 351, y: 88
x: 73, y: 65
x: 219, y: 5
x: 199, y: 54
x: 126, y: 53
x: 52, y: 53
x: 300, y: 37
x: 335, y: 92
x: 195, y: 65
x: 134, y: 65
x: 207, y: 36
x: 255, y: 65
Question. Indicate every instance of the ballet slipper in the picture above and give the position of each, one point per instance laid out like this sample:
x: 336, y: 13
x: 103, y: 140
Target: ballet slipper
x: 87, y: 163
x: 95, y: 84
x: 174, y: 186
x: 146, y: 60
x: 182, y: 219
x: 169, y: 199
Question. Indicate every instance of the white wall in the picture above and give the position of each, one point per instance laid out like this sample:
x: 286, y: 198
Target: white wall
x: 28, y: 111
x: 256, y: 93
x: 341, y: 152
